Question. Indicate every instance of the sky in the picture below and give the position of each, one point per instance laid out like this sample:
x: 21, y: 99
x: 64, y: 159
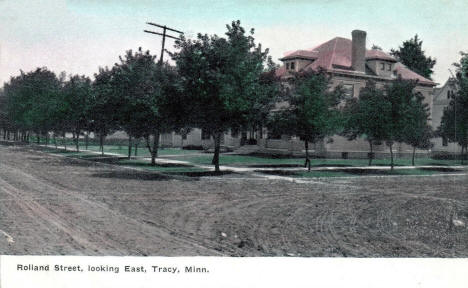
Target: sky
x: 79, y: 36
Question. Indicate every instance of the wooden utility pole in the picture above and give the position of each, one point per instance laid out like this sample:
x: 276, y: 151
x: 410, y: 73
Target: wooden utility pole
x: 164, y: 35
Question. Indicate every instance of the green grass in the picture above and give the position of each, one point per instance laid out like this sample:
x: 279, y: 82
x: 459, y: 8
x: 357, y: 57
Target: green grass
x: 238, y: 160
x: 123, y: 150
x: 161, y: 167
x: 330, y: 173
x: 244, y: 160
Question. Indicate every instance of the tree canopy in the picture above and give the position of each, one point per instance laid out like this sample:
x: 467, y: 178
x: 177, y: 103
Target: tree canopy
x: 313, y: 111
x: 32, y: 100
x: 412, y: 55
x: 220, y: 77
x: 366, y: 116
x: 148, y: 97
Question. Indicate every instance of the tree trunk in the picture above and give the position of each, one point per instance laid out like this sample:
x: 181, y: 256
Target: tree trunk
x: 414, y: 152
x: 77, y: 139
x: 307, y: 160
x: 217, y: 142
x: 136, y: 149
x: 87, y: 140
x: 391, y: 156
x: 371, y: 155
x: 463, y: 149
x: 154, y: 150
x: 47, y: 139
x: 64, y: 141
x: 101, y: 143
x: 38, y: 138
x: 55, y: 140
x: 129, y: 146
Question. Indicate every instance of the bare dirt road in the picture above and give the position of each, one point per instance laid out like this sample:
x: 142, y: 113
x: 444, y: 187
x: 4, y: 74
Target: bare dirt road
x: 54, y: 205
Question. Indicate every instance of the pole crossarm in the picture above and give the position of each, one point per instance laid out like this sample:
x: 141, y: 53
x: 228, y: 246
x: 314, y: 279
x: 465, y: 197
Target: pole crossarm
x: 164, y: 35
x: 164, y: 27
x: 152, y: 32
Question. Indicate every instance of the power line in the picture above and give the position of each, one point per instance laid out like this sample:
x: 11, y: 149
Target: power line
x: 164, y: 35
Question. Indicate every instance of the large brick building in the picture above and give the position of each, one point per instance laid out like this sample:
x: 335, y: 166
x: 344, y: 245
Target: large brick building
x: 349, y: 63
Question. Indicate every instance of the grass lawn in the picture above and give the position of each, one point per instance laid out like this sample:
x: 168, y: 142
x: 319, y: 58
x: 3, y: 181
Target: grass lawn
x: 123, y: 150
x: 258, y: 162
x: 160, y: 167
x: 238, y: 160
x: 346, y: 172
x: 263, y: 162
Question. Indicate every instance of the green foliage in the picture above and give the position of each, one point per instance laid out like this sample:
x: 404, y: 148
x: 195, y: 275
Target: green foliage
x: 412, y: 55
x: 5, y: 122
x: 221, y: 78
x: 398, y: 97
x: 417, y: 131
x: 221, y: 81
x: 102, y: 113
x: 76, y: 102
x: 313, y: 112
x: 365, y: 116
x: 146, y: 92
x: 32, y: 100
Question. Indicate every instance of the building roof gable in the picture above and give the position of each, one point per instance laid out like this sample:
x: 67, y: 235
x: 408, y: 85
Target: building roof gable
x: 335, y: 56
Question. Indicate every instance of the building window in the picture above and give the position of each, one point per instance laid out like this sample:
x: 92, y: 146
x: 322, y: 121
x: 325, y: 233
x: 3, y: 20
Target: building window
x: 389, y: 67
x: 293, y: 66
x: 348, y: 91
x: 287, y: 66
x: 382, y: 66
x: 205, y: 135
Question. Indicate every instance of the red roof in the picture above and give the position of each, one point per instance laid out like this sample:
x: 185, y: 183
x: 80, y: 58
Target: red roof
x: 378, y: 54
x: 406, y: 73
x: 335, y: 56
x: 301, y: 54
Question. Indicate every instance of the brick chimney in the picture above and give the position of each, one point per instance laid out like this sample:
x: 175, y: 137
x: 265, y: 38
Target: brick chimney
x: 358, y: 52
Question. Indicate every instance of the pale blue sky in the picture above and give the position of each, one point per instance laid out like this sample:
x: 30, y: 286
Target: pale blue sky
x: 78, y: 36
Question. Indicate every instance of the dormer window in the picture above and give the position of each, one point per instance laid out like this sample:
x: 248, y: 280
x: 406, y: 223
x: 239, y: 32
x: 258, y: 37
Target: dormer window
x: 389, y: 67
x: 348, y: 91
x: 293, y: 66
x: 287, y: 66
x: 382, y: 66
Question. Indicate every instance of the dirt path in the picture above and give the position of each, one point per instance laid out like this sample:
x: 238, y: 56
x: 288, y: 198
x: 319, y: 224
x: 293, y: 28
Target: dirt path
x: 57, y: 205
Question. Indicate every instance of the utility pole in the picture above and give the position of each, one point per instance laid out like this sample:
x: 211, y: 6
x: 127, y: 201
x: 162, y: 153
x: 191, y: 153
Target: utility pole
x: 164, y: 35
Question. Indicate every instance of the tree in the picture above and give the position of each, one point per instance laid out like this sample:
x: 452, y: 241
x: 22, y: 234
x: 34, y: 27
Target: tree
x: 220, y: 78
x: 102, y: 111
x: 148, y: 96
x: 30, y: 101
x: 365, y: 117
x: 412, y: 55
x: 266, y: 93
x: 5, y: 123
x: 454, y: 124
x: 417, y: 132
x: 398, y: 97
x: 77, y: 93
x: 313, y: 111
